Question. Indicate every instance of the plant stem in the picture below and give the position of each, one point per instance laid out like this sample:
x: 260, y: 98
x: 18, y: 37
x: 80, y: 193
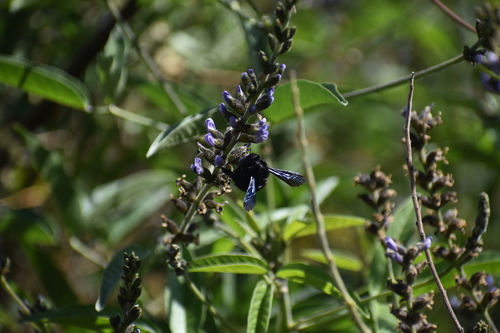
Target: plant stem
x: 209, y: 306
x: 454, y: 16
x: 318, y: 216
x: 23, y: 308
x: 146, y: 58
x: 416, y: 205
x: 404, y: 79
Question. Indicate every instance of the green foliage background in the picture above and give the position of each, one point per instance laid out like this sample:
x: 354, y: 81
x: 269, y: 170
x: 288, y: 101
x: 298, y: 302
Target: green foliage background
x: 76, y: 186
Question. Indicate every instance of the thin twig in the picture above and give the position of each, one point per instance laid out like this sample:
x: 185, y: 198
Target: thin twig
x: 318, y: 216
x: 454, y: 16
x: 418, y: 213
x: 146, y: 58
x: 404, y: 79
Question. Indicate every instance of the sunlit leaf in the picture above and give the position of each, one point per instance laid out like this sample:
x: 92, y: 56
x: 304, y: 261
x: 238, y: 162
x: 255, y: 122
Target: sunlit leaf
x: 229, y: 263
x: 344, y: 260
x: 309, y: 275
x: 403, y: 227
x: 260, y: 307
x: 332, y: 222
x: 312, y: 95
x: 48, y: 82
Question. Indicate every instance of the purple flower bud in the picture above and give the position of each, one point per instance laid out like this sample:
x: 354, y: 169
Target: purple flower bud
x: 427, y: 243
x: 197, y: 167
x: 281, y: 69
x: 270, y: 92
x: 253, y: 109
x: 394, y: 256
x: 233, y: 122
x: 391, y: 244
x: 219, y: 161
x: 224, y: 111
x: 261, y: 136
x: 210, y: 140
x: 239, y: 93
x: 210, y: 125
x: 227, y: 97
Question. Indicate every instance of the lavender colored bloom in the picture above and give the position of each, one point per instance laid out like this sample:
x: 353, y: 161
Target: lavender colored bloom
x: 240, y: 93
x: 210, y: 125
x: 227, y: 97
x: 197, y: 167
x: 391, y: 244
x: 394, y: 256
x: 270, y: 92
x: 427, y: 243
x: 262, y: 132
x: 224, y: 111
x: 253, y: 109
x: 219, y: 161
x: 281, y: 69
x: 210, y: 140
x: 491, y: 61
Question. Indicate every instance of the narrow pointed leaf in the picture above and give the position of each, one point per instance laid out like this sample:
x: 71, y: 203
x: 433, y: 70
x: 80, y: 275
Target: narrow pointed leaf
x: 188, y: 129
x: 113, y: 272
x: 312, y: 95
x: 45, y: 81
x: 309, y: 275
x: 260, y: 307
x: 344, y: 260
x: 85, y: 316
x: 229, y: 263
x: 332, y: 222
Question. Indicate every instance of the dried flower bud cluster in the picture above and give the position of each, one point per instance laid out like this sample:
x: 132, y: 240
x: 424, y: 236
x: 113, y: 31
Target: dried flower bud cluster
x: 377, y: 184
x: 488, y: 27
x: 484, y: 294
x: 174, y: 259
x: 128, y: 296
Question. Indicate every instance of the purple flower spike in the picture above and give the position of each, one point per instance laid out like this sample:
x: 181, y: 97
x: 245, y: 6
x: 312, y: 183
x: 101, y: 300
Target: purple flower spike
x: 253, y: 109
x: 270, y: 92
x: 210, y: 140
x: 224, y: 111
x: 391, y: 244
x: 219, y: 161
x: 210, y: 125
x: 240, y: 93
x: 197, y: 167
x: 394, y: 256
x: 281, y: 69
x: 427, y: 243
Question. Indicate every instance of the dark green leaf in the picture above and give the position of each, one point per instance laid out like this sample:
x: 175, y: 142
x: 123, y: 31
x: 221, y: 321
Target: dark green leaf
x: 113, y: 272
x: 85, y: 316
x: 48, y: 82
x: 188, y: 129
x: 344, y: 260
x: 312, y: 95
x: 310, y: 275
x: 403, y: 227
x: 229, y: 263
x: 260, y: 308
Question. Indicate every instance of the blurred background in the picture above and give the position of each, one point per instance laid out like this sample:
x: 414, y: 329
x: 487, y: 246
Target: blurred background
x: 76, y: 187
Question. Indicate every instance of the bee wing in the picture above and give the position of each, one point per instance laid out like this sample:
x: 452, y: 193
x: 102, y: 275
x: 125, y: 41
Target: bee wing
x: 291, y: 178
x: 250, y: 199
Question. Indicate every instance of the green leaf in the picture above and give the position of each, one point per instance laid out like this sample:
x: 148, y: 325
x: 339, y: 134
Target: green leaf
x: 188, y: 129
x: 260, y: 307
x: 85, y: 316
x: 312, y: 95
x: 113, y: 272
x: 344, y: 260
x: 48, y: 82
x: 333, y: 89
x: 229, y: 263
x: 403, y: 227
x: 310, y: 275
x: 185, y: 311
x: 332, y: 222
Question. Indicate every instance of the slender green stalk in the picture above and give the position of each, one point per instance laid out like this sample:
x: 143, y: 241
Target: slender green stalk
x: 226, y: 326
x: 318, y: 216
x: 25, y: 311
x: 146, y: 58
x: 418, y: 213
x: 405, y: 79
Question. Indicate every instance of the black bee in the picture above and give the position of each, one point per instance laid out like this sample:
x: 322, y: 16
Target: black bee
x: 252, y: 174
